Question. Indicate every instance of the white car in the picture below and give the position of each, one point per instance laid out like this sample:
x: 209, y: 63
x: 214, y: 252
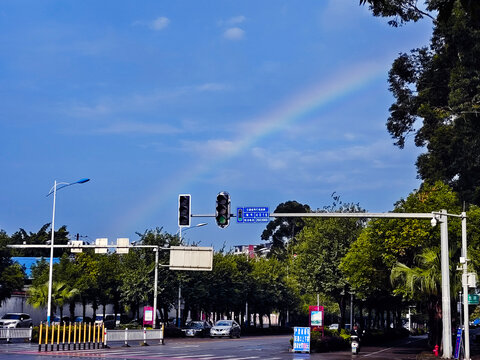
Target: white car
x: 225, y: 328
x: 15, y: 320
x: 111, y: 321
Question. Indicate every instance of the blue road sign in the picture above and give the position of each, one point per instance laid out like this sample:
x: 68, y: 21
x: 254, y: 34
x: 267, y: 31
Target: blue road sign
x: 253, y: 214
x: 458, y: 343
x: 301, y: 339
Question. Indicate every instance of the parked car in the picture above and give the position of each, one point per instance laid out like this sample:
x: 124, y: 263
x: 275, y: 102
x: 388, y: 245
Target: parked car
x: 110, y: 320
x: 333, y: 327
x: 57, y: 321
x: 225, y: 328
x: 81, y: 319
x: 15, y: 320
x: 196, y: 328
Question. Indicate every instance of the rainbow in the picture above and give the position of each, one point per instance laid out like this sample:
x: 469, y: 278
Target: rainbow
x: 292, y: 110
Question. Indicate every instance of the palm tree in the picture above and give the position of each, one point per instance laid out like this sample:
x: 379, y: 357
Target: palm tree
x: 38, y: 295
x: 423, y: 284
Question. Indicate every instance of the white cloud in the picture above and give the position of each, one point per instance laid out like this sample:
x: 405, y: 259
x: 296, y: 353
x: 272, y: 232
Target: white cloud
x: 272, y: 161
x: 210, y: 148
x: 349, y: 136
x: 88, y: 111
x: 234, y: 33
x: 235, y: 20
x: 138, y: 128
x: 160, y: 23
x: 212, y: 87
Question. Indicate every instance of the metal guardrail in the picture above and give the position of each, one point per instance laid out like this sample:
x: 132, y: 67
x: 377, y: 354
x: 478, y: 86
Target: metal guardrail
x: 16, y: 333
x: 134, y: 335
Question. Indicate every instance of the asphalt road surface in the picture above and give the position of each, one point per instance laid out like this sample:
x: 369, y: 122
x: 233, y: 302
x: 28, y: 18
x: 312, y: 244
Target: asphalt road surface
x: 245, y: 348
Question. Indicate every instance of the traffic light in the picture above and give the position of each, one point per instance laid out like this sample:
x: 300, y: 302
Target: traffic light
x: 239, y: 215
x: 222, y: 210
x: 184, y: 212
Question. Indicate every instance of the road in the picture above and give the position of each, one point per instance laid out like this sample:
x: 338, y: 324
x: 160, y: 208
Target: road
x: 245, y: 348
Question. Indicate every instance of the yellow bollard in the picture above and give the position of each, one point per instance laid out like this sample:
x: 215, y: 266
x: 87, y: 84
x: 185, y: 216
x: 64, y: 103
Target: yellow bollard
x: 90, y: 333
x: 74, y: 336
x: 69, y: 332
x: 163, y: 333
x: 53, y: 337
x: 94, y: 333
x: 84, y: 336
x: 63, y: 337
x: 58, y: 337
x: 46, y: 336
x: 79, y: 336
x: 103, y: 335
x: 40, y: 338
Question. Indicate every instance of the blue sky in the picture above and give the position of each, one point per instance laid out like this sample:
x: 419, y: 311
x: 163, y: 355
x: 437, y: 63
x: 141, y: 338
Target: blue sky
x: 270, y: 100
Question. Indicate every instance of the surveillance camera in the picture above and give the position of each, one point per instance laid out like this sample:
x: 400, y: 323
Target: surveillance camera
x: 433, y: 222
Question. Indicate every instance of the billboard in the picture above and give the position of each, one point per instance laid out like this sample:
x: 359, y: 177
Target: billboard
x: 191, y: 258
x: 316, y: 317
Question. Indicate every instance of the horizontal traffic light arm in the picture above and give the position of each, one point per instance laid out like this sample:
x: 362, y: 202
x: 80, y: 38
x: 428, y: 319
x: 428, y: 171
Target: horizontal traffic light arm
x: 341, y: 215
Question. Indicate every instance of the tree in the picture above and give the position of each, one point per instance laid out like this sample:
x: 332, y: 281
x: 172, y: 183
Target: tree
x: 41, y: 237
x: 11, y: 274
x: 168, y: 281
x: 282, y: 230
x: 61, y: 293
x: 322, y: 244
x: 386, y: 243
x: 422, y: 283
x: 439, y: 85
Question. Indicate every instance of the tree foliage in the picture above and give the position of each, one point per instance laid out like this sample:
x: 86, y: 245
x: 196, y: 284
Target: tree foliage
x: 437, y: 92
x: 12, y: 275
x: 282, y: 230
x: 322, y: 245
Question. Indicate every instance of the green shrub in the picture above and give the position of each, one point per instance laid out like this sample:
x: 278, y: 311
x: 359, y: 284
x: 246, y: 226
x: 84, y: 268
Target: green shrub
x: 329, y: 342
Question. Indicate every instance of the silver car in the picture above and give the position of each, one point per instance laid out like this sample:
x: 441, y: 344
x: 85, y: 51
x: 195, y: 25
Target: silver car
x: 225, y: 328
x: 15, y: 320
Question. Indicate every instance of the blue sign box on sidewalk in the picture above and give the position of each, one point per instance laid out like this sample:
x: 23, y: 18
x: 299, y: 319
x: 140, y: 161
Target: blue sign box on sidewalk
x: 301, y: 339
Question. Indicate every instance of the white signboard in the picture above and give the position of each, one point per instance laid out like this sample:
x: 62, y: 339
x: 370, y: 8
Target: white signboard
x: 76, y: 246
x: 191, y: 258
x: 102, y: 246
x: 122, y: 245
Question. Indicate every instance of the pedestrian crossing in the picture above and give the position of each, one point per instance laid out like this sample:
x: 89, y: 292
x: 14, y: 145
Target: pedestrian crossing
x: 148, y: 354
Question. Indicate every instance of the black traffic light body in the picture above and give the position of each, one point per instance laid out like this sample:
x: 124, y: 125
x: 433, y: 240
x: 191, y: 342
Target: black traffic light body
x: 184, y: 210
x: 222, y: 209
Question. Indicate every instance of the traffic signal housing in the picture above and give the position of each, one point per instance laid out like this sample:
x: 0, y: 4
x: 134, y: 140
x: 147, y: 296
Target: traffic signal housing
x: 222, y: 209
x: 184, y: 210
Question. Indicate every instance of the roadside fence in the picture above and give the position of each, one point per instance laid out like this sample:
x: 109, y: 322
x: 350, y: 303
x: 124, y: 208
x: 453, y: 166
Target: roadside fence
x: 134, y: 335
x: 16, y: 333
x: 83, y: 335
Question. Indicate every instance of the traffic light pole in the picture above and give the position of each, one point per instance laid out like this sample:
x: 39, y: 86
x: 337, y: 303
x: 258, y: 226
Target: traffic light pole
x: 442, y: 217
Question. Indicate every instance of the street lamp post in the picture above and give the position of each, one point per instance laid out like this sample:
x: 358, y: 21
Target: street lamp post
x: 56, y: 186
x: 464, y: 262
x: 179, y: 232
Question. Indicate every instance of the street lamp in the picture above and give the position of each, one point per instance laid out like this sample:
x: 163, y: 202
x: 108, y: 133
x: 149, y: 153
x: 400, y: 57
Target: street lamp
x: 179, y: 231
x: 179, y: 285
x: 56, y: 186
